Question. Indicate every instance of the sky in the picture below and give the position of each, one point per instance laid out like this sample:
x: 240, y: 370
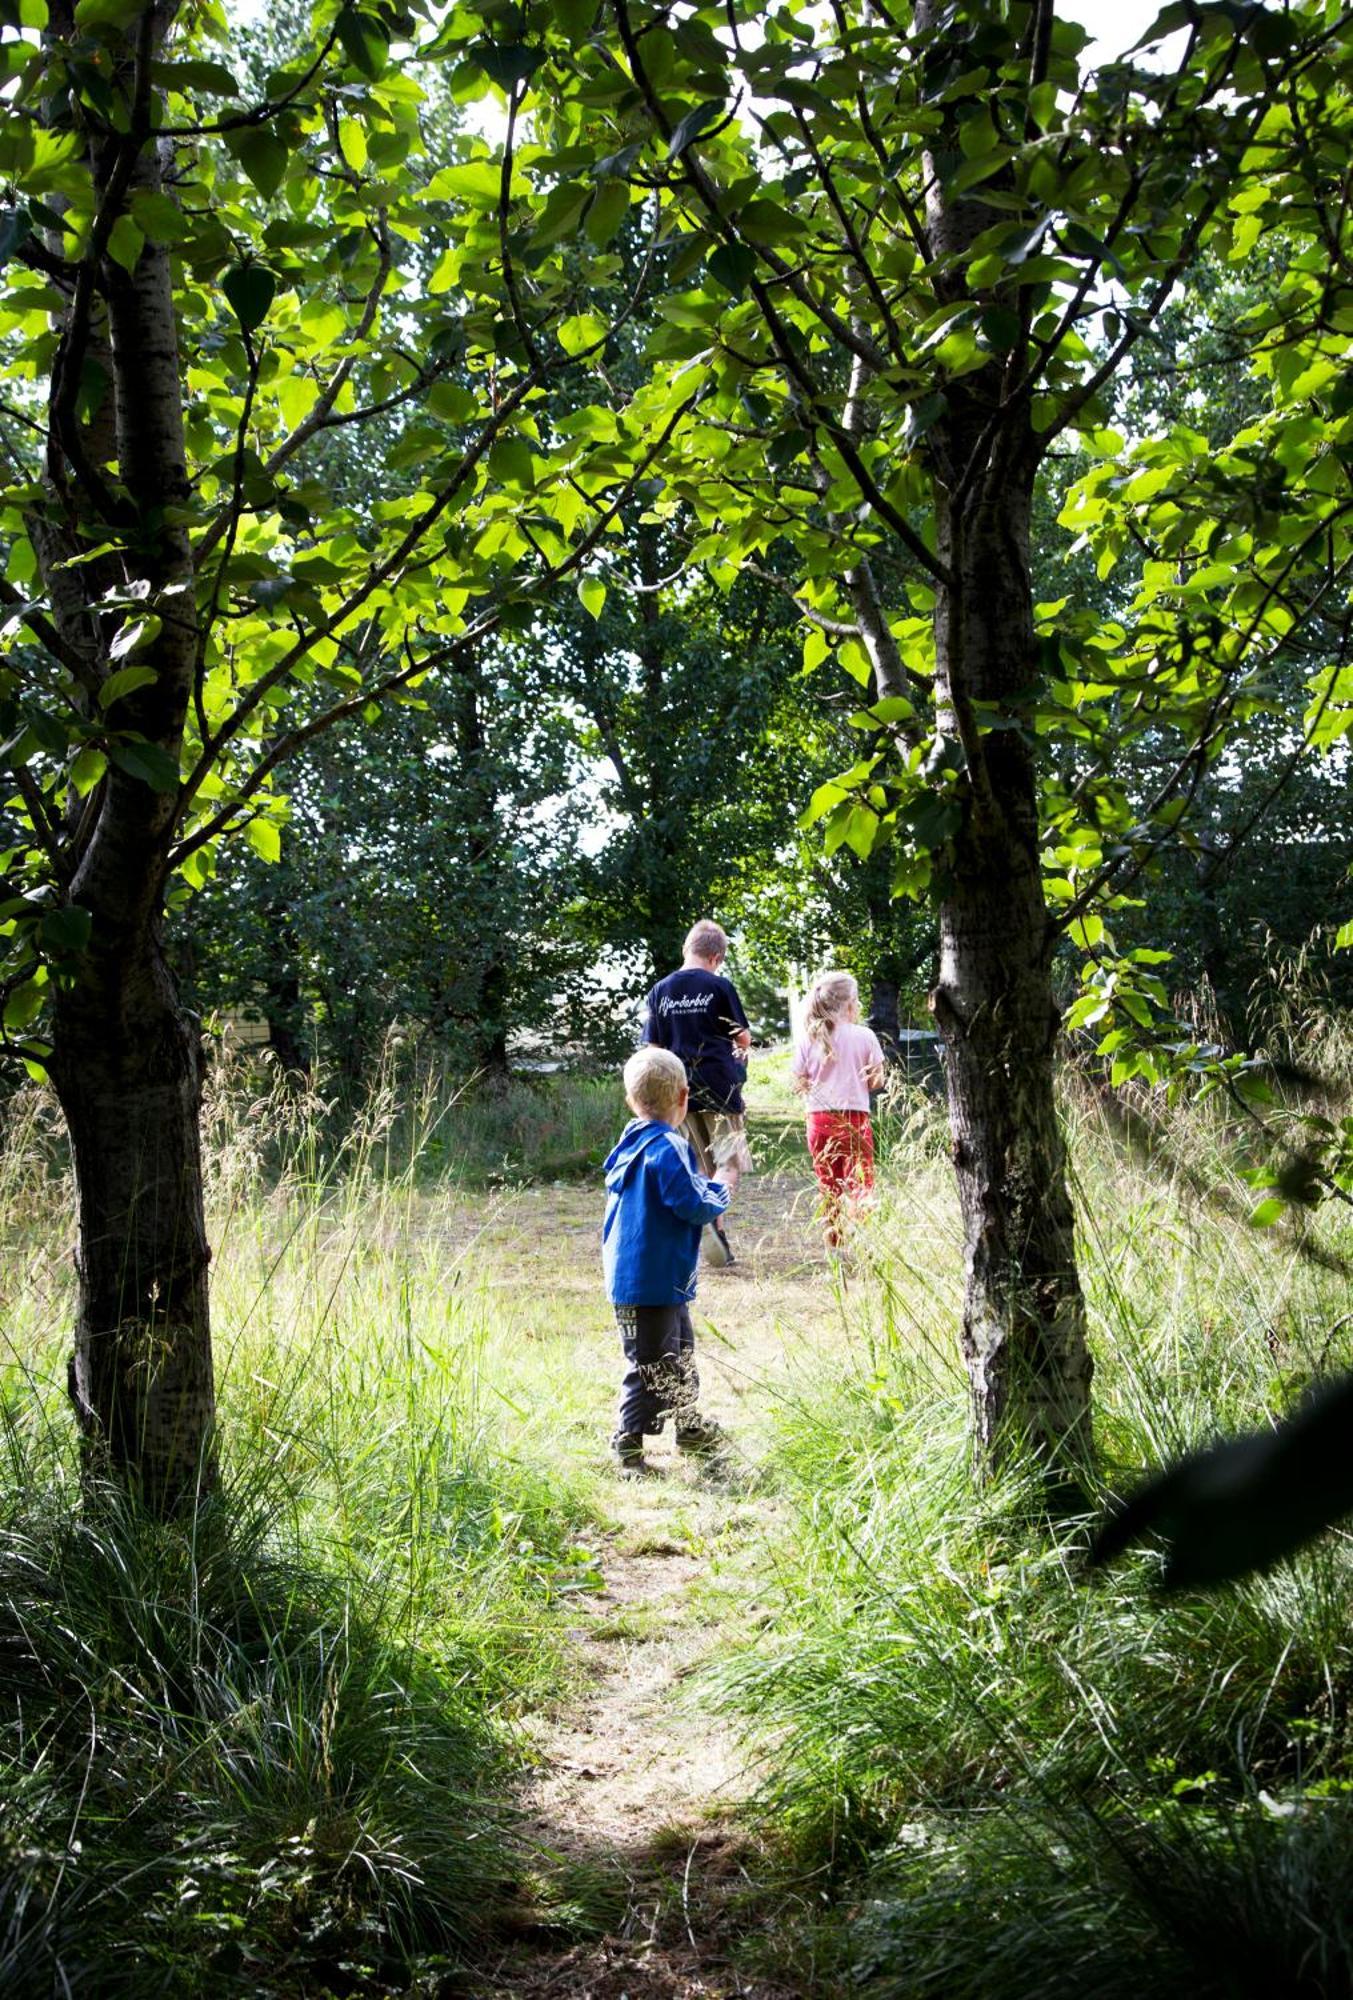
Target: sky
x: 1114, y: 24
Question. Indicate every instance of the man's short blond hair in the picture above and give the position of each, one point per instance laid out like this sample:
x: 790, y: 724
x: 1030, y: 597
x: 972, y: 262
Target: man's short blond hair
x: 655, y: 1081
x: 706, y: 940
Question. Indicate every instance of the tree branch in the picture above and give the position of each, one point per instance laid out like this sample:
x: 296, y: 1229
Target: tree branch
x: 519, y: 319
x: 47, y: 831
x: 472, y: 636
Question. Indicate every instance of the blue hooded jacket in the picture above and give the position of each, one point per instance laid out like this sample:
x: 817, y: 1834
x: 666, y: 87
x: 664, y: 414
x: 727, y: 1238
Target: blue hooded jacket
x: 657, y: 1202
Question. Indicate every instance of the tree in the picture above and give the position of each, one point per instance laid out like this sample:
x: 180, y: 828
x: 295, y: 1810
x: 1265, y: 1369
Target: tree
x: 917, y: 244
x: 198, y: 288
x: 681, y: 688
x: 428, y: 876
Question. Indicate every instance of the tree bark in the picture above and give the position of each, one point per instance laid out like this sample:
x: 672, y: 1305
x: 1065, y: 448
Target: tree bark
x: 128, y: 1071
x: 883, y: 1016
x: 1023, y: 1333
x: 485, y: 843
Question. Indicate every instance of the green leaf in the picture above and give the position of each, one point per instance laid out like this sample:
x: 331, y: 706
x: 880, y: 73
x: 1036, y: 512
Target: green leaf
x: 24, y: 1005
x: 507, y: 63
x: 87, y: 769
x: 125, y: 681
x: 561, y: 213
x: 1001, y: 328
x: 158, y: 216
x: 861, y: 831
x: 617, y: 166
x: 263, y: 156
x: 251, y: 289
x: 511, y: 464
x: 580, y: 331
x: 62, y: 933
x: 452, y: 402
x: 769, y: 222
x: 148, y: 762
x: 264, y: 836
x: 591, y: 595
x: 1265, y: 1213
x: 92, y: 390
x: 576, y: 19
x: 1179, y: 14
x: 823, y: 801
x: 610, y: 205
x: 16, y: 226
x: 923, y: 416
x: 692, y: 125
x: 91, y: 14
x: 352, y: 143
x: 931, y: 821
x: 140, y: 632
x: 1343, y: 937
x: 125, y: 243
x: 732, y: 265
x: 213, y: 79
x: 365, y: 42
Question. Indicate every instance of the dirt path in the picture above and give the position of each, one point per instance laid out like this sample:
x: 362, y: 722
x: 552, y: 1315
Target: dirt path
x: 633, y: 1804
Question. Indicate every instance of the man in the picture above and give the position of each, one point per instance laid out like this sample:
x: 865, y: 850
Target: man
x: 696, y: 1013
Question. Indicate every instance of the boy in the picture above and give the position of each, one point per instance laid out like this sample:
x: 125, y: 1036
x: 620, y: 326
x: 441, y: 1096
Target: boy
x: 696, y: 1013
x: 657, y: 1203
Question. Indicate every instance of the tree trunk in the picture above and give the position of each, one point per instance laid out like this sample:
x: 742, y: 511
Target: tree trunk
x: 128, y: 1072
x: 1023, y: 1312
x: 281, y: 1010
x: 884, y: 1017
x: 494, y: 997
x: 1024, y: 1316
x: 126, y: 1060
x: 283, y: 1007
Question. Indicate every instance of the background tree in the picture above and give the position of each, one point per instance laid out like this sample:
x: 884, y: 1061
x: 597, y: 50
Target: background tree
x: 427, y: 876
x: 681, y: 687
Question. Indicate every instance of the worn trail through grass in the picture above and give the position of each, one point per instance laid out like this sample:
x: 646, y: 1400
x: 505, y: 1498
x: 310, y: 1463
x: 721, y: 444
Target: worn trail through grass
x: 632, y: 1808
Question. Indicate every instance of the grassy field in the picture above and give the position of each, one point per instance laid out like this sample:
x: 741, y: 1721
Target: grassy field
x: 427, y: 1704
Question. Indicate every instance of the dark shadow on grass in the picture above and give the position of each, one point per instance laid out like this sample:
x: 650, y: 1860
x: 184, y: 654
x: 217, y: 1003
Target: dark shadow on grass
x: 705, y: 1908
x: 220, y: 1775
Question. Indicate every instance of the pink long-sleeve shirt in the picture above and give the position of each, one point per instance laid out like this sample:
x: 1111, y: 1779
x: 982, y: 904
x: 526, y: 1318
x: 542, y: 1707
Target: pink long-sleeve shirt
x: 840, y: 1081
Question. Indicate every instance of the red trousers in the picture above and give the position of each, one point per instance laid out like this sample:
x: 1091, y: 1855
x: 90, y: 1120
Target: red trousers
x: 841, y: 1144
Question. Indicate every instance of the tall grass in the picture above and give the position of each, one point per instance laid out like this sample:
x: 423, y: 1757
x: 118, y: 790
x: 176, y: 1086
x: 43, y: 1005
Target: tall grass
x: 272, y: 1755
x: 1024, y: 1778
x: 271, y: 1752
x: 413, y: 1116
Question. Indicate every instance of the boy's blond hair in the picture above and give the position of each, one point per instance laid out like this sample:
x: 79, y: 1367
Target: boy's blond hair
x: 655, y: 1082
x: 706, y: 940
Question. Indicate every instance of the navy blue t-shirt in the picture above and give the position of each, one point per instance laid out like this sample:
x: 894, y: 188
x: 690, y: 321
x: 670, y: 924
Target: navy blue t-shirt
x: 695, y: 1014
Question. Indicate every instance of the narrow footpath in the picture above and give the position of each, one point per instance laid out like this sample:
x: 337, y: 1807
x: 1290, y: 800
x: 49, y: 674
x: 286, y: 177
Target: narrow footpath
x: 633, y: 1805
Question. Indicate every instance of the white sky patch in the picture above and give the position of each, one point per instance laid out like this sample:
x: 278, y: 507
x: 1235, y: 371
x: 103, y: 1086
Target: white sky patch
x: 1114, y: 24
x: 1118, y: 25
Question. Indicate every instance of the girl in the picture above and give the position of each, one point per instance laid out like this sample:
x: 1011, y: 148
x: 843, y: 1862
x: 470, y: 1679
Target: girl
x: 836, y: 1065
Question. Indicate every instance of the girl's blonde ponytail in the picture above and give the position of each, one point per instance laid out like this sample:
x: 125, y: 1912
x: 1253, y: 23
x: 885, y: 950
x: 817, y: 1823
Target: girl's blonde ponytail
x: 828, y: 1002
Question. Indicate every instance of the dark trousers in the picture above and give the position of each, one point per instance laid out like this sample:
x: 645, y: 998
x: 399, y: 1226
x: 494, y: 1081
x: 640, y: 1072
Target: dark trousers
x: 660, y: 1374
